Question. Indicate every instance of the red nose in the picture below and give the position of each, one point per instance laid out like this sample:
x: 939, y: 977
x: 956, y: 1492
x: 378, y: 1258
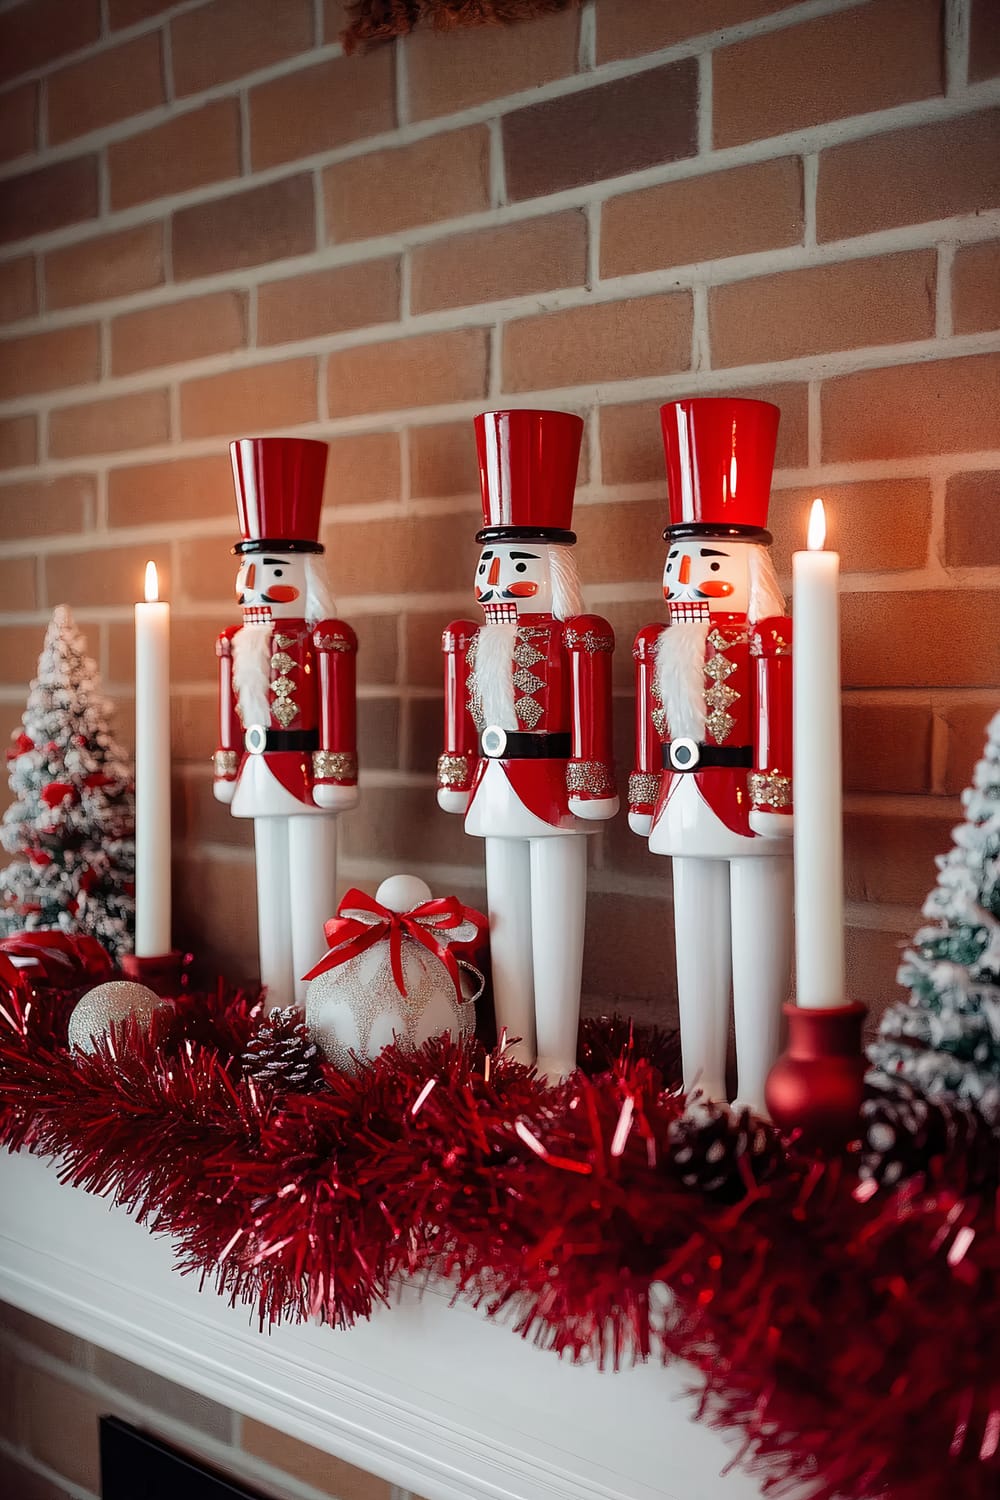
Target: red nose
x: 251, y: 574
x: 684, y: 576
x: 494, y: 571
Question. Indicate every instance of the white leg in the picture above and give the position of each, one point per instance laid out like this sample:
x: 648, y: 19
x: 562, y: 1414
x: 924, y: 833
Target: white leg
x: 762, y: 964
x: 508, y: 894
x: 312, y: 859
x: 558, y: 915
x: 702, y: 941
x: 274, y: 923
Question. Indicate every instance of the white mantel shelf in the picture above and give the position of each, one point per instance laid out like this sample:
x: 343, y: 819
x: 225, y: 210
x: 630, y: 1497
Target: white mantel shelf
x: 431, y: 1396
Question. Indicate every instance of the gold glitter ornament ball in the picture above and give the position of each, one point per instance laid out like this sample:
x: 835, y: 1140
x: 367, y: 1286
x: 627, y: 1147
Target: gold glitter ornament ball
x: 100, y: 1008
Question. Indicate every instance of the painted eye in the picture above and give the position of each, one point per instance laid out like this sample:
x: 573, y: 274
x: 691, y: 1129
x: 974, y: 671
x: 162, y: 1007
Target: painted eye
x: 521, y: 568
x: 278, y: 573
x: 716, y: 567
x: 482, y: 567
x: 670, y: 567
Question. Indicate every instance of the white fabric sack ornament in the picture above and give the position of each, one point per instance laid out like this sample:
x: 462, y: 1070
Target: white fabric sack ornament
x: 389, y: 975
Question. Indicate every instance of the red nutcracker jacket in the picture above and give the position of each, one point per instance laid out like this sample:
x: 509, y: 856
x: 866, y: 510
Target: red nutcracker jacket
x: 748, y: 701
x: 311, y: 733
x: 561, y: 673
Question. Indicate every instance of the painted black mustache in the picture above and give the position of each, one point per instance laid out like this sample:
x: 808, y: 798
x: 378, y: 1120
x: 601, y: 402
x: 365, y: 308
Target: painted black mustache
x: 264, y: 599
x: 492, y: 594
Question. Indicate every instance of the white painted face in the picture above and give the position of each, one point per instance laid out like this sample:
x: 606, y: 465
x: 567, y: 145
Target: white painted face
x: 272, y: 586
x: 512, y: 579
x: 705, y: 576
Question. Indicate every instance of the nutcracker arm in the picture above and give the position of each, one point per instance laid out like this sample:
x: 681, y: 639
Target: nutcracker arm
x: 226, y: 760
x: 644, y: 782
x: 457, y: 764
x: 335, y: 763
x: 590, y: 771
x: 771, y: 777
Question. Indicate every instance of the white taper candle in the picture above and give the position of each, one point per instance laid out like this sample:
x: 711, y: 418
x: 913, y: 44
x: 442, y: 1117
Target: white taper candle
x: 819, y: 841
x: 152, y: 773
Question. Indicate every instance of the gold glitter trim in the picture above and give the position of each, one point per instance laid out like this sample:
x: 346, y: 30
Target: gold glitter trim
x: 779, y: 646
x: 719, y: 667
x: 528, y: 711
x: 527, y: 682
x: 474, y: 703
x: 769, y: 789
x: 721, y: 642
x: 284, y: 707
x: 332, y: 643
x: 591, y: 776
x: 226, y: 762
x: 588, y: 640
x: 525, y: 654
x: 283, y: 641
x: 643, y: 788
x: 335, y: 765
x: 453, y: 770
x: 282, y: 662
x: 720, y: 724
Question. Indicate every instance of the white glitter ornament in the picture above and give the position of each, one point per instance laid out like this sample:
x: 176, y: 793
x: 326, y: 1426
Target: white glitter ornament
x: 108, y: 1004
x: 355, y: 1006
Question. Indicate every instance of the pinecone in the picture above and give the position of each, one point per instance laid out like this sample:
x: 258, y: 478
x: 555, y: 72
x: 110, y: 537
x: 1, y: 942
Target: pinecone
x: 905, y: 1132
x: 723, y: 1152
x: 282, y: 1055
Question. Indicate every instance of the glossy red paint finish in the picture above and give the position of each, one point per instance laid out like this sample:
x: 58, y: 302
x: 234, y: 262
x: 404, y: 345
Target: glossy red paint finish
x: 279, y: 487
x: 527, y: 467
x: 720, y: 456
x: 817, y: 1085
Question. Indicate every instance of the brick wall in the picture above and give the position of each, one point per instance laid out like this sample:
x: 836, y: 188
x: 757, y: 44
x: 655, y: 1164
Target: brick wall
x: 54, y: 1388
x: 211, y: 222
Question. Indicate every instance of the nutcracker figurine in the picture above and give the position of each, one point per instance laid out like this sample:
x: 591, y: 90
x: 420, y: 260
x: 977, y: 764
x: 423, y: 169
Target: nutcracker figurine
x: 712, y: 785
x: 527, y: 753
x: 287, y: 755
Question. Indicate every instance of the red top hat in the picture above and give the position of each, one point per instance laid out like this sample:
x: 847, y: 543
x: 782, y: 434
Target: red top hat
x: 720, y: 456
x: 527, y: 468
x: 279, y: 493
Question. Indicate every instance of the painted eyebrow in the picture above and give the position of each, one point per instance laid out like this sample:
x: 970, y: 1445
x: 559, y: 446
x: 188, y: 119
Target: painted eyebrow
x: 707, y: 552
x: 275, y: 562
x: 524, y: 554
x: 486, y: 555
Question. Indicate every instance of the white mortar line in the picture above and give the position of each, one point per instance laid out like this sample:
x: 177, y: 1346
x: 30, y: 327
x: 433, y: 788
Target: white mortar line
x: 586, y: 57
x: 724, y: 270
x: 705, y: 104
x: 817, y: 137
x: 943, y: 324
x: 957, y: 28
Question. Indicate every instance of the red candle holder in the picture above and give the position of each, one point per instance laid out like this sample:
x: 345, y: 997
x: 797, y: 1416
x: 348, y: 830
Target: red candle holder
x: 817, y: 1084
x: 161, y: 973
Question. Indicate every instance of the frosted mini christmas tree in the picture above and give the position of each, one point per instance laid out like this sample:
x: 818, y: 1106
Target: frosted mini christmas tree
x: 71, y: 828
x: 945, y: 1040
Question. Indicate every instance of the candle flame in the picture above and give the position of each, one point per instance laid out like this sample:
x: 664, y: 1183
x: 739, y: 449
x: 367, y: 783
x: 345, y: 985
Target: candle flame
x: 152, y: 584
x: 816, y: 535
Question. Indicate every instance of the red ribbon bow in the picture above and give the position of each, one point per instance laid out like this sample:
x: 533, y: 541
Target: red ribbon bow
x: 349, y: 936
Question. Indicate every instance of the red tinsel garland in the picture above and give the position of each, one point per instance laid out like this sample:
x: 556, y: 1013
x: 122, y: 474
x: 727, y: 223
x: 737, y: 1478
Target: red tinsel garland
x: 849, y: 1336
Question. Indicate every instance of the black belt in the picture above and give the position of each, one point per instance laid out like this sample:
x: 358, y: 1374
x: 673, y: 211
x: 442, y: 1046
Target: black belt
x: 283, y: 739
x: 688, y: 755
x: 510, y: 744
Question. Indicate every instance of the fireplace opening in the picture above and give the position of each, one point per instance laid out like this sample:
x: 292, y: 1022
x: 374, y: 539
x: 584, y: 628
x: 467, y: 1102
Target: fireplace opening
x: 135, y: 1466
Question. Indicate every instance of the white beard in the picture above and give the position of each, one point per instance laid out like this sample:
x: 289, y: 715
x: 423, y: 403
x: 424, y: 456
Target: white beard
x: 493, y: 677
x: 252, y: 673
x: 680, y: 677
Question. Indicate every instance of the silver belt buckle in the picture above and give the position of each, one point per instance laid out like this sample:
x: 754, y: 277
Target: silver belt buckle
x: 494, y: 741
x: 684, y: 754
x: 255, y: 739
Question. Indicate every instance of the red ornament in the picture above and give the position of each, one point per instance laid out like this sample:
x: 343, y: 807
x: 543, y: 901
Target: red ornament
x: 97, y: 778
x: 22, y: 745
x: 817, y: 1085
x: 58, y: 792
